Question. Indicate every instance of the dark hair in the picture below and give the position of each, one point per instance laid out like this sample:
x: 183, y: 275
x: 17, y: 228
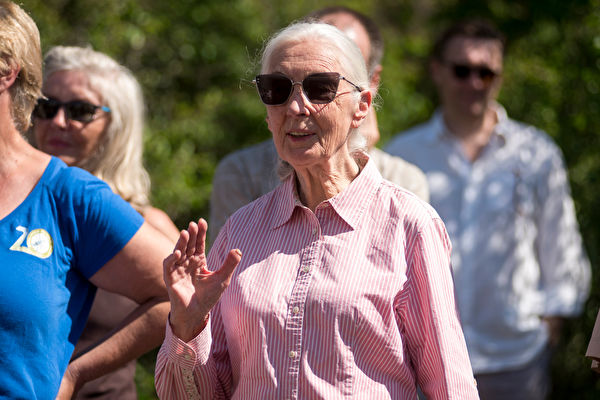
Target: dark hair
x: 471, y: 29
x: 375, y: 38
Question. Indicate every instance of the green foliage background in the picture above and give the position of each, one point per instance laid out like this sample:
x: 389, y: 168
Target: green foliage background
x: 195, y: 61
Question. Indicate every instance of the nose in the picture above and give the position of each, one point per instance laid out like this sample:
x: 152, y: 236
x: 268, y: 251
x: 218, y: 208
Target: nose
x: 60, y: 118
x: 297, y: 102
x: 475, y: 81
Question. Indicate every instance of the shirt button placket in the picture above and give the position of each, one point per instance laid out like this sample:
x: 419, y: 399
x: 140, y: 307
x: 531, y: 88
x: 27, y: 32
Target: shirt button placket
x: 188, y: 379
x: 189, y: 384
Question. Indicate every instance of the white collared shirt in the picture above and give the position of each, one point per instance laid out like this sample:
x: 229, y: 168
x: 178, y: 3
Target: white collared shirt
x: 517, y: 252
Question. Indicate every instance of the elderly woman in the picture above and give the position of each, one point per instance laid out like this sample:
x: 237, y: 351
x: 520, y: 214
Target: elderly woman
x: 106, y: 141
x: 63, y: 233
x: 344, y: 289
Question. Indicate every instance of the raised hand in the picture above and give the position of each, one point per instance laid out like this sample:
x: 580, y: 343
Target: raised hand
x: 193, y: 289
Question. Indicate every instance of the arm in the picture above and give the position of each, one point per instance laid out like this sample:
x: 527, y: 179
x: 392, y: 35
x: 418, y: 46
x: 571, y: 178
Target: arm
x: 160, y: 221
x: 433, y: 333
x: 193, y: 292
x: 564, y: 267
x: 143, y: 329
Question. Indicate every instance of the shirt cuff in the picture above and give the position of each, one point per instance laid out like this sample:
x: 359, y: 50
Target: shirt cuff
x: 192, y: 353
x: 563, y: 301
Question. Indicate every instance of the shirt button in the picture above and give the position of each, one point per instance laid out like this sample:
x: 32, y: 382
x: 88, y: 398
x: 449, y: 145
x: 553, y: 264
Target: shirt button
x: 296, y: 310
x: 314, y: 231
x: 306, y: 268
x: 187, y: 357
x: 292, y: 354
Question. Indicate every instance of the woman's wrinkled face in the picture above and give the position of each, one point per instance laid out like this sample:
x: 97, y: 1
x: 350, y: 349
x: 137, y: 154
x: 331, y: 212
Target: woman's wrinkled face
x: 70, y: 140
x: 307, y: 134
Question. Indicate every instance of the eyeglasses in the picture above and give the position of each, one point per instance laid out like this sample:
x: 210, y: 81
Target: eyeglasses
x: 77, y: 110
x: 463, y: 72
x: 320, y: 88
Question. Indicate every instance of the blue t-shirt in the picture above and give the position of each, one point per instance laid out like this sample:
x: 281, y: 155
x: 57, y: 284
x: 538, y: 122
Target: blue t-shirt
x: 68, y: 227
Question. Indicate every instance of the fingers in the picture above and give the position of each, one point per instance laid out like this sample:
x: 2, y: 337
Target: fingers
x: 169, y: 264
x: 182, y: 242
x: 191, y: 244
x: 229, y: 265
x: 172, y: 258
x: 201, y: 238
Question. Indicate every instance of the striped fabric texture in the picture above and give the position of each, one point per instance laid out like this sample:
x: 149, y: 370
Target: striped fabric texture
x: 353, y: 301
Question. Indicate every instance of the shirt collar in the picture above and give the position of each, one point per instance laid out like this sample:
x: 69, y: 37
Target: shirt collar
x: 350, y: 204
x: 289, y: 200
x: 440, y: 130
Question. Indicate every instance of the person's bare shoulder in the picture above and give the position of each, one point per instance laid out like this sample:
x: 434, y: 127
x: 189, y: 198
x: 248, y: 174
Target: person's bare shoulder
x: 160, y: 221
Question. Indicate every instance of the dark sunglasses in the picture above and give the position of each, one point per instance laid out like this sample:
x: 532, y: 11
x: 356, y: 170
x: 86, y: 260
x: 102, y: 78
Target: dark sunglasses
x: 77, y: 110
x: 320, y: 88
x: 463, y: 72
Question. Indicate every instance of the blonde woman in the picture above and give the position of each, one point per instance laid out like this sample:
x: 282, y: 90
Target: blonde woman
x: 63, y: 232
x: 91, y: 115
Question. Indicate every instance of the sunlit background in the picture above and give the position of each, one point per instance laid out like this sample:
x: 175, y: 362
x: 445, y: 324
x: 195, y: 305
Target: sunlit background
x: 195, y: 60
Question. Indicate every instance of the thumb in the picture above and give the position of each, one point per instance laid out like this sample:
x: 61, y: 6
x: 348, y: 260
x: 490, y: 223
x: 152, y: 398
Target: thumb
x: 229, y: 265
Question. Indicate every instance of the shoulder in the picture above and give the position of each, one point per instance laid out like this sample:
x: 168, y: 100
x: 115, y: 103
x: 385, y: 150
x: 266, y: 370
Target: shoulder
x: 409, y: 211
x: 386, y: 161
x: 160, y: 221
x: 414, y: 136
x: 414, y: 220
x: 72, y: 182
x: 87, y: 197
x: 401, y: 172
x: 263, y: 213
x: 245, y: 159
x: 533, y: 146
x: 261, y: 207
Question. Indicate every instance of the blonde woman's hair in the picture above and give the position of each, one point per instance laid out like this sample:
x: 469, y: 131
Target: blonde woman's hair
x: 20, y: 49
x: 118, y: 160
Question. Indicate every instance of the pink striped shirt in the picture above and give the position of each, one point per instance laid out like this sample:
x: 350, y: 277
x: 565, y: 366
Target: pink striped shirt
x: 354, y: 301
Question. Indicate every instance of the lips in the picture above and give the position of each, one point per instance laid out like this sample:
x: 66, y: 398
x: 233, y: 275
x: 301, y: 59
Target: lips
x: 58, y: 143
x: 299, y: 134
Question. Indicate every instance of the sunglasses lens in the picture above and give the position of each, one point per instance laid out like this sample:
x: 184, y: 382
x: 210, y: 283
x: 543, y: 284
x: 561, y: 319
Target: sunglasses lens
x: 273, y: 89
x: 80, y: 111
x: 486, y: 75
x: 75, y: 110
x: 321, y: 88
x: 461, y: 71
x: 46, y: 109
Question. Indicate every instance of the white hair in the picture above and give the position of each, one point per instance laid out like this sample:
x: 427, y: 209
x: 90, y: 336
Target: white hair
x: 118, y: 160
x: 345, y: 52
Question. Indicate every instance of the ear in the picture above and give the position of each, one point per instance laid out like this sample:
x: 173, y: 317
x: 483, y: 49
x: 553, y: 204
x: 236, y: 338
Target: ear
x: 375, y: 79
x: 6, y: 81
x: 362, y: 108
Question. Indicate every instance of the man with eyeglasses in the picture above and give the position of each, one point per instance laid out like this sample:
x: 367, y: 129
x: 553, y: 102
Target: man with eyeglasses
x: 501, y: 188
x: 247, y: 174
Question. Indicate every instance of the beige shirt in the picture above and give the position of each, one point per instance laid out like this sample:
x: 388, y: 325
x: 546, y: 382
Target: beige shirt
x: 593, y: 350
x: 247, y: 174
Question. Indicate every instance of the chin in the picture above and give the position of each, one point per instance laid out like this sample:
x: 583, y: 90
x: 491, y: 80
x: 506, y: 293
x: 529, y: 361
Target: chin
x: 476, y: 109
x: 69, y: 160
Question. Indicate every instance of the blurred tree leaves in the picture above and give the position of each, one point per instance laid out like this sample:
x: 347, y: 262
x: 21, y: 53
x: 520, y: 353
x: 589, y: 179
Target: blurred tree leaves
x: 196, y: 59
